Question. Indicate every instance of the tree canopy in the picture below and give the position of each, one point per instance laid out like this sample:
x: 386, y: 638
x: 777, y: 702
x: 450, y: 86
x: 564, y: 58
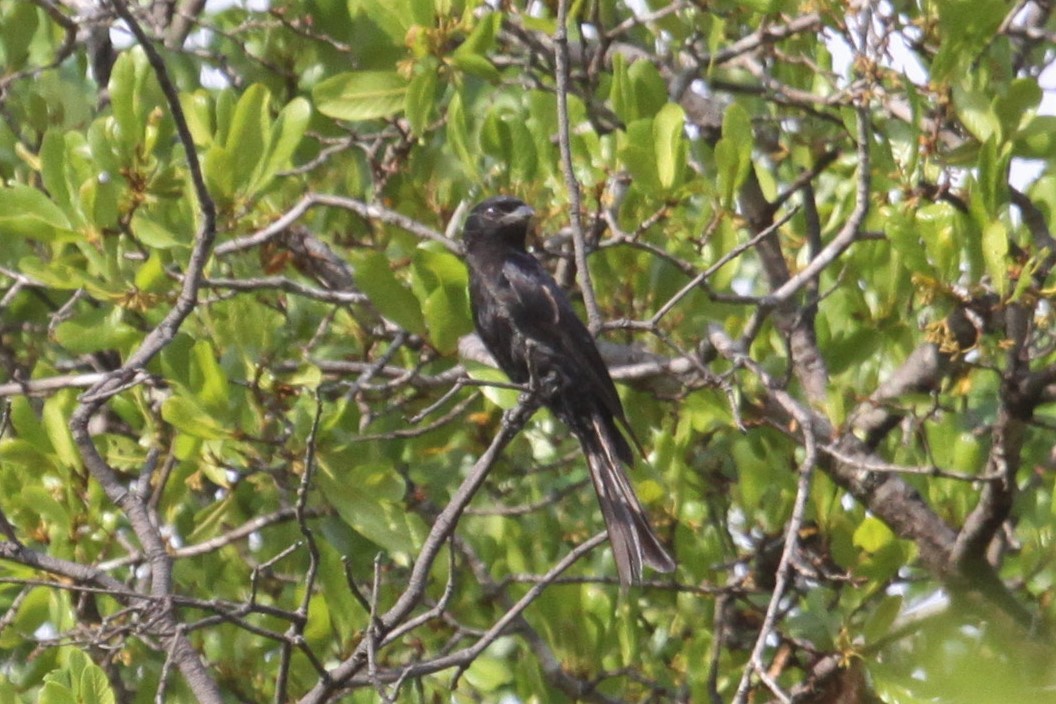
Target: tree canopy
x: 250, y: 449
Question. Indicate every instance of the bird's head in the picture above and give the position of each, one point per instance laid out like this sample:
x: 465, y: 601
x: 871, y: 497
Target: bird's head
x: 502, y: 220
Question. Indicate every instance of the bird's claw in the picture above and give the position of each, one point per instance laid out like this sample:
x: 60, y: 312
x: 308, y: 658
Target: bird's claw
x: 514, y: 418
x: 548, y: 386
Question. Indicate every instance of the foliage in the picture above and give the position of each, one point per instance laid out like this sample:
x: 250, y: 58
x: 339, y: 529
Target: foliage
x: 245, y: 410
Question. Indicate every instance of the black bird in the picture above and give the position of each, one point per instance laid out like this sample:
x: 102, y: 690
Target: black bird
x: 527, y: 323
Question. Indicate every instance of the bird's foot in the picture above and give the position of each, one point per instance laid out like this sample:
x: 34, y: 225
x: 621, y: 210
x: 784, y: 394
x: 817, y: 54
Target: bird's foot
x: 549, y: 385
x: 514, y: 418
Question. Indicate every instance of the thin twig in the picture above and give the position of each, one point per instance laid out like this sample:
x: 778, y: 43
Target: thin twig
x: 167, y: 625
x: 722, y: 261
x: 579, y: 240
x: 441, y: 531
x: 367, y: 211
x: 848, y: 234
x: 783, y: 576
x: 464, y: 657
x: 295, y: 633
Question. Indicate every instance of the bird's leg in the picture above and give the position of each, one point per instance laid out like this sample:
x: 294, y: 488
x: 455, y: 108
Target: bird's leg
x: 530, y: 398
x: 530, y: 348
x: 514, y: 418
x: 542, y: 386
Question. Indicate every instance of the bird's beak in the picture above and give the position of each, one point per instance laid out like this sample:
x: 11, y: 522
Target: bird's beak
x: 523, y: 213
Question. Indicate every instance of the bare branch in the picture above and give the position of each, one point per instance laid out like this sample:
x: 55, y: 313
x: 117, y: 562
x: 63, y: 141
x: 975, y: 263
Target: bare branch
x: 367, y: 211
x: 568, y: 168
x: 443, y: 527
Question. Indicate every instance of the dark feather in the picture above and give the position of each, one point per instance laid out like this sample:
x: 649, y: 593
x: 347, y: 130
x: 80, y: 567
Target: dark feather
x: 528, y: 324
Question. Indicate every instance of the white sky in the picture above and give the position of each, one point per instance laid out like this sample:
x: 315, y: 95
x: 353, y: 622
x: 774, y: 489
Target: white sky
x: 1022, y: 172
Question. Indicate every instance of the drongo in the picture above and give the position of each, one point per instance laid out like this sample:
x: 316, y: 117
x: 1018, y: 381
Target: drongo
x: 527, y: 323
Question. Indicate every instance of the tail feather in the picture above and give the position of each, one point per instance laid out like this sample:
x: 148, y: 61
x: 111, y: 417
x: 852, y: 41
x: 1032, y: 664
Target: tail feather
x: 632, y: 538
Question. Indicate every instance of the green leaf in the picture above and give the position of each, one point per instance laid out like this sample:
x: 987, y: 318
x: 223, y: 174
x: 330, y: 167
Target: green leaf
x: 198, y: 111
x: 649, y: 88
x: 1037, y: 139
x: 755, y: 475
x: 638, y: 155
x: 367, y: 497
x: 622, y: 94
x: 285, y: 137
x: 317, y: 629
x: 55, y: 274
x: 154, y: 235
x: 935, y: 223
x: 993, y: 177
x: 489, y: 674
x: 307, y: 375
x: 99, y: 199
x: 122, y: 91
x: 444, y: 312
x: 189, y: 417
x: 974, y: 111
x: 152, y: 276
x: 716, y: 36
x: 872, y: 534
x: 883, y: 616
x: 481, y: 38
x: 34, y: 611
x: 501, y: 397
x: 995, y: 255
x: 434, y: 266
x: 55, y: 693
x: 393, y: 17
x: 361, y: 95
x: 208, y: 380
x: 27, y: 425
x: 458, y: 135
x: 47, y: 509
x: 26, y: 212
x: 668, y: 129
x: 218, y: 166
x: 246, y: 326
x: 969, y: 453
x: 246, y: 136
x: 53, y: 171
x: 475, y: 65
x: 733, y: 153
x: 55, y: 417
x: 225, y: 107
x: 1016, y: 105
x: 95, y: 330
x: 966, y: 28
x: 504, y: 136
x: 17, y: 26
x: 104, y: 147
x: 342, y: 605
x: 762, y: 7
x: 134, y: 94
x: 95, y: 688
x: 420, y: 101
x: 393, y: 300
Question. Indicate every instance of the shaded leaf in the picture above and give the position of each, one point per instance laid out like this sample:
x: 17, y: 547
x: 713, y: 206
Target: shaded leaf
x: 995, y: 254
x: 393, y: 299
x: 26, y: 212
x: 668, y: 128
x: 420, y: 100
x: 361, y: 95
x: 190, y: 417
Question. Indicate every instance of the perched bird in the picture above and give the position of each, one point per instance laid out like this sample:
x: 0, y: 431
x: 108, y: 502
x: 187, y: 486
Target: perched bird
x: 527, y: 323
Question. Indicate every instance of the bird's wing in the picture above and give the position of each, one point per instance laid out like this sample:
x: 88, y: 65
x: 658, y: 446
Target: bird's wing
x: 543, y: 313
